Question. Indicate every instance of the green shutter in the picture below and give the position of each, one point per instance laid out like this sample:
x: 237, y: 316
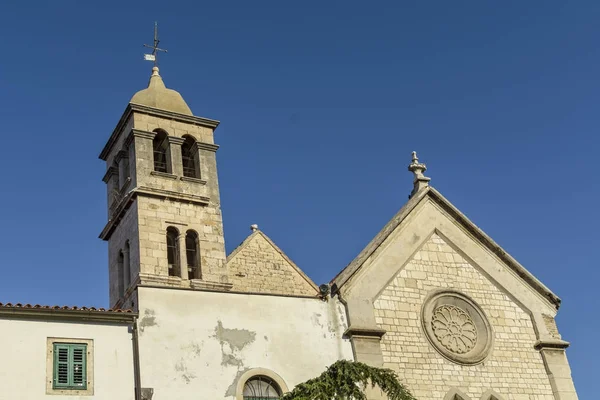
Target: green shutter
x: 70, y: 366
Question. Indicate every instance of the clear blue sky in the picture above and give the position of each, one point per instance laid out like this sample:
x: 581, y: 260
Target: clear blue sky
x: 321, y: 104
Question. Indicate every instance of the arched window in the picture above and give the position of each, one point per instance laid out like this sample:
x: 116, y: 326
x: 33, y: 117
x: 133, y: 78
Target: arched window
x: 456, y: 394
x: 120, y: 284
x: 127, y: 266
x: 160, y: 145
x: 189, y: 158
x: 172, y: 251
x: 192, y: 254
x: 261, y: 388
x: 491, y: 395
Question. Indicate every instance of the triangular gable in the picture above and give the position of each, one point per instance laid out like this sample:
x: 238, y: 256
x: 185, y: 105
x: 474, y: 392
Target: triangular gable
x: 430, y: 193
x: 257, y: 265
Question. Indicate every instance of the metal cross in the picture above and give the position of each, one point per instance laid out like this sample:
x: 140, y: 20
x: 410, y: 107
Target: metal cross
x: 155, y: 48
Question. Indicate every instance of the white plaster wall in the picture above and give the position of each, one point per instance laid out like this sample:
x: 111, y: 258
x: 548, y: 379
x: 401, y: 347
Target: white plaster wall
x: 23, y: 359
x: 194, y: 345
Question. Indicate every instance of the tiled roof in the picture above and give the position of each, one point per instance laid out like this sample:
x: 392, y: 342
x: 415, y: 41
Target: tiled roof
x: 68, y: 308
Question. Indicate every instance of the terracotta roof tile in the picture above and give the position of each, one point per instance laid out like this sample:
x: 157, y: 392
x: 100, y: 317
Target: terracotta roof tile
x: 70, y: 308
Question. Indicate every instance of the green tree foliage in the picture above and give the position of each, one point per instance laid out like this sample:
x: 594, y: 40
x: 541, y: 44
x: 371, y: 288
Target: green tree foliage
x: 346, y: 380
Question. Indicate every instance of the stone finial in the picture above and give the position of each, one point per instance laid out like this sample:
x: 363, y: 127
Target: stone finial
x: 417, y: 168
x: 254, y: 227
x: 155, y: 71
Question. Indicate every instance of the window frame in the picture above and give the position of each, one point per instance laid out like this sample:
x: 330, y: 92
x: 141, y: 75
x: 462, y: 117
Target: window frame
x: 161, y: 152
x: 194, y: 270
x: 255, y: 373
x: 172, y: 234
x: 52, y: 388
x: 70, y: 348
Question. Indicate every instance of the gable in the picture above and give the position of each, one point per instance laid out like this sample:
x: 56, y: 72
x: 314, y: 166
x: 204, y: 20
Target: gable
x: 401, y: 310
x: 429, y: 212
x: 259, y: 266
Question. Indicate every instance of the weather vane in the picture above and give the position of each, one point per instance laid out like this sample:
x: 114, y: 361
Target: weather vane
x: 155, y: 48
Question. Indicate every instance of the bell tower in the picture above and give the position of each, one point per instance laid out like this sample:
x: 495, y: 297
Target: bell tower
x: 164, y: 217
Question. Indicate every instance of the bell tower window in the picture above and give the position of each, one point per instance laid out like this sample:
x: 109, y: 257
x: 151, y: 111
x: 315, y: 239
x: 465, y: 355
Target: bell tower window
x: 192, y: 253
x: 120, y: 266
x: 189, y: 158
x: 172, y: 251
x: 160, y: 145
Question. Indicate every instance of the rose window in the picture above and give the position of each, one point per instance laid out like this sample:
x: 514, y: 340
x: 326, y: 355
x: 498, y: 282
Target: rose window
x: 454, y: 329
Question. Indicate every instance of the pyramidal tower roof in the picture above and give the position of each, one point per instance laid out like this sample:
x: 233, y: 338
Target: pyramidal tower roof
x: 156, y: 95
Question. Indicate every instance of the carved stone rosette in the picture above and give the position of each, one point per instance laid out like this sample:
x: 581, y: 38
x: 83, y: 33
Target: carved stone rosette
x: 456, y: 327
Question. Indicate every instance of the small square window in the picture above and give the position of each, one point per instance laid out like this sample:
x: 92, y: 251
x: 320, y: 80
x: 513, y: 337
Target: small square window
x: 70, y: 366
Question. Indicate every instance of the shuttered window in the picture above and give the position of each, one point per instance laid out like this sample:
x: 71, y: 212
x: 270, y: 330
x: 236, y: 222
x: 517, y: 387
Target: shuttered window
x: 70, y: 366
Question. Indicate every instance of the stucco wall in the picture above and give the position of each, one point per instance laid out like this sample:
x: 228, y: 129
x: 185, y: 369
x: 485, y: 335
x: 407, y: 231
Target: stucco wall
x: 197, y: 344
x: 23, y: 354
x: 514, y: 369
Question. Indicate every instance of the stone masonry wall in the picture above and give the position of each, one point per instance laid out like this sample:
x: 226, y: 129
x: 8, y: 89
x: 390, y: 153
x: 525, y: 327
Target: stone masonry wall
x: 259, y: 267
x: 156, y: 215
x: 125, y: 231
x: 514, y: 369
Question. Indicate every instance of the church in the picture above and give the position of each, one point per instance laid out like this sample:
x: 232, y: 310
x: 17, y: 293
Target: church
x: 431, y: 296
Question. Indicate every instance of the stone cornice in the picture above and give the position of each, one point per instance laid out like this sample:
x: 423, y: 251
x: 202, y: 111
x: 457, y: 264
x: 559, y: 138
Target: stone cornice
x: 175, y: 140
x: 109, y: 173
x: 551, y: 344
x: 67, y: 315
x: 167, y: 194
x: 131, y: 108
x: 375, y: 333
x: 120, y: 155
x: 190, y: 119
x: 207, y: 146
x: 127, y: 200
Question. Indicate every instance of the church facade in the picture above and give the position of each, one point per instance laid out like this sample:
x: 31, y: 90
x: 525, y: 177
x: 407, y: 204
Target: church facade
x: 431, y: 296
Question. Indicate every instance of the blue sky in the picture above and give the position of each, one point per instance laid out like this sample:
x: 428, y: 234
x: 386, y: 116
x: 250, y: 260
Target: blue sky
x: 321, y: 104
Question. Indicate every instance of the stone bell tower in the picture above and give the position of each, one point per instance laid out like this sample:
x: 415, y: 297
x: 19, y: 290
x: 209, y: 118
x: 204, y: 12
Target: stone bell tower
x: 164, y: 218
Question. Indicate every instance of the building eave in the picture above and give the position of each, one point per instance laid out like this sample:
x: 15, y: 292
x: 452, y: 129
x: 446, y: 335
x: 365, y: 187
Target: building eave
x: 67, y: 315
x: 132, y: 107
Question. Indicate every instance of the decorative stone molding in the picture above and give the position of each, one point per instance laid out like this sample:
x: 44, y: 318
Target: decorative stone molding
x: 139, y: 134
x: 163, y: 174
x: 364, y: 332
x: 195, y: 180
x: 456, y: 327
x: 131, y: 108
x: 199, y: 284
x: 175, y: 140
x: 109, y: 173
x: 121, y: 155
x: 551, y: 344
x: 207, y: 146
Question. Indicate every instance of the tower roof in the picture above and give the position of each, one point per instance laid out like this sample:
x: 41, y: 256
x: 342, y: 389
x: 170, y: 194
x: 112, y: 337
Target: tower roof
x: 157, y: 95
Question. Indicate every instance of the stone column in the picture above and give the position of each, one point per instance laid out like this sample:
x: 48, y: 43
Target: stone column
x: 207, y: 163
x: 183, y: 270
x: 555, y: 360
x: 122, y: 161
x: 174, y: 155
x: 365, y: 337
x: 142, y: 154
x: 111, y: 179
